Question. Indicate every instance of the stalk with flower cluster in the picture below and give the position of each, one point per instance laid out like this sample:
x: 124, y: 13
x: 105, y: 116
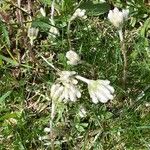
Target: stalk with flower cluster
x: 117, y: 18
x: 66, y: 89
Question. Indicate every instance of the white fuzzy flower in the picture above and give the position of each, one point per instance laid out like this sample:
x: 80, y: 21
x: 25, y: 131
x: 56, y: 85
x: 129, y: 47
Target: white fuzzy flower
x: 73, y: 58
x: 32, y: 34
x: 66, y: 89
x: 65, y: 92
x: 79, y: 13
x: 117, y: 17
x: 100, y: 90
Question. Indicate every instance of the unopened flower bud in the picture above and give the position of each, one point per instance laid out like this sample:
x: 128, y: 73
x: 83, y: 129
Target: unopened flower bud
x: 73, y: 58
x: 79, y: 13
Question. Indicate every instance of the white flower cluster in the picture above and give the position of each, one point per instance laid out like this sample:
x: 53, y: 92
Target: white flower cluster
x: 73, y: 58
x: 66, y: 89
x: 100, y: 90
x: 117, y: 17
x: 79, y: 13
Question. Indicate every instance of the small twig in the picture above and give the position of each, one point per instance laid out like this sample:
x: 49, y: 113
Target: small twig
x: 51, y: 65
x: 18, y: 7
x: 18, y: 12
x: 11, y: 54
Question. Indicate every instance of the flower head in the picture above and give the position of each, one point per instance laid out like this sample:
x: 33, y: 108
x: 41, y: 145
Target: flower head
x: 79, y: 13
x: 73, y: 58
x: 65, y: 89
x: 32, y: 34
x: 117, y: 17
x: 100, y: 90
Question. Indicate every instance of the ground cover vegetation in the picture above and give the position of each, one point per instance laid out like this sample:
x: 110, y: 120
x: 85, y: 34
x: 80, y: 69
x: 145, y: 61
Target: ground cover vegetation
x: 74, y: 74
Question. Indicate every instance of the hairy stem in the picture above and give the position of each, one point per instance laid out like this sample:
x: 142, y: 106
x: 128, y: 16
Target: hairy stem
x: 52, y: 10
x: 68, y: 34
x: 123, y: 50
x: 50, y: 64
x: 51, y: 124
x: 82, y: 79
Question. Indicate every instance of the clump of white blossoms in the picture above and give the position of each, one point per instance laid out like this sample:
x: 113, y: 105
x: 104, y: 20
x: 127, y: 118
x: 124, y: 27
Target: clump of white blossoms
x: 65, y: 89
x: 117, y: 17
x: 99, y: 90
x: 32, y: 34
x: 73, y: 58
x: 79, y: 13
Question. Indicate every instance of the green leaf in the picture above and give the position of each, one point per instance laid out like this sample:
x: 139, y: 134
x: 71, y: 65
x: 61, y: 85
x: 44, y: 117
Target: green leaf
x: 4, y: 34
x: 5, y: 96
x: 80, y: 128
x: 46, y: 2
x: 8, y: 115
x: 95, y: 9
x: 42, y: 23
x: 9, y: 60
x: 145, y: 28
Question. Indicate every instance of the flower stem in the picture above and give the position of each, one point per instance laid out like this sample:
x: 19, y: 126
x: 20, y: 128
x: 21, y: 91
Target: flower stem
x: 51, y: 124
x: 123, y: 50
x: 51, y: 65
x: 68, y: 34
x: 120, y: 35
x: 52, y: 10
x: 83, y: 79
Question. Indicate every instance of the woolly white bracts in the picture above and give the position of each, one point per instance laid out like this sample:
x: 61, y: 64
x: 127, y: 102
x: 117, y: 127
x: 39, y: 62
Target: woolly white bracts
x: 117, y: 17
x: 100, y: 91
x: 73, y: 58
x: 66, y: 88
